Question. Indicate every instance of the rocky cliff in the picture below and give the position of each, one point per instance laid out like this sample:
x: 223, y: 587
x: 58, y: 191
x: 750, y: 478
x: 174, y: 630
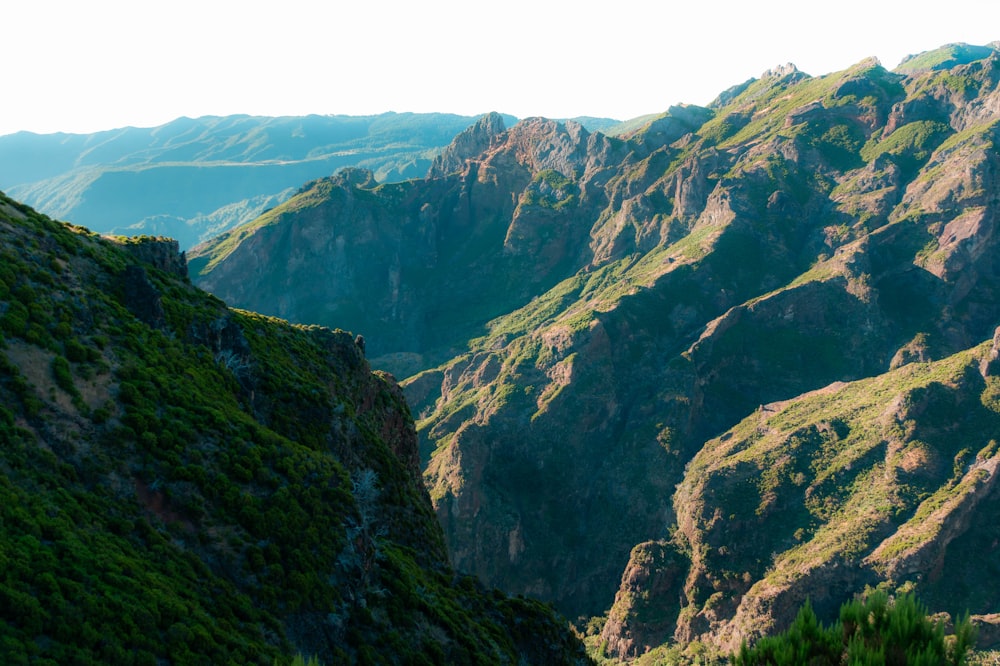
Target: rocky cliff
x: 747, y: 337
x: 420, y: 266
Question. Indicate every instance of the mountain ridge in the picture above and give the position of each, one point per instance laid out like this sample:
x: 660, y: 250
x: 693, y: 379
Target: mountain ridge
x: 230, y: 168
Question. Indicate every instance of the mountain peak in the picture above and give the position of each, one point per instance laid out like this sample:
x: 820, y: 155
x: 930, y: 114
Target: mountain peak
x: 468, y: 144
x: 946, y: 57
x: 780, y: 71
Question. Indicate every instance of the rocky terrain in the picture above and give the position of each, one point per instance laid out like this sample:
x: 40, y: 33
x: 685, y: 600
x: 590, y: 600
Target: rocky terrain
x: 744, y: 354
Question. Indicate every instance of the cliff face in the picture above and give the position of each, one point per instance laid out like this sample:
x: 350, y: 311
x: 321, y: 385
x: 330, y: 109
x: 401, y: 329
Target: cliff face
x: 188, y: 483
x: 746, y: 337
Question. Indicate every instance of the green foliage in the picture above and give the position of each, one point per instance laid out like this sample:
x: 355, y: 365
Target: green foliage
x: 876, y: 630
x: 910, y: 145
x: 841, y: 145
x: 551, y: 189
x: 62, y: 374
x: 299, y: 660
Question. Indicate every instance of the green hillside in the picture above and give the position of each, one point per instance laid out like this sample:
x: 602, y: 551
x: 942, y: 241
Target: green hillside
x: 186, y: 483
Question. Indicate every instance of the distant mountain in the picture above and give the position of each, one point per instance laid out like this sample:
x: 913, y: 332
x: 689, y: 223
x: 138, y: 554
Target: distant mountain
x: 192, y: 178
x: 184, y: 483
x: 746, y: 349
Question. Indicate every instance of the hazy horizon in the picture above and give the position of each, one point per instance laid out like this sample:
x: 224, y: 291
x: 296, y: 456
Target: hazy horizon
x: 86, y: 67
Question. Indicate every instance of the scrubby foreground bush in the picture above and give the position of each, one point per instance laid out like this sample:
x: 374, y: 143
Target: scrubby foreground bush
x: 874, y: 631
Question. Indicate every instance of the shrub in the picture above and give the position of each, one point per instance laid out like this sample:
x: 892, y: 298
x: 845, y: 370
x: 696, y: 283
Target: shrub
x: 876, y: 630
x: 75, y: 351
x: 61, y: 373
x: 15, y: 320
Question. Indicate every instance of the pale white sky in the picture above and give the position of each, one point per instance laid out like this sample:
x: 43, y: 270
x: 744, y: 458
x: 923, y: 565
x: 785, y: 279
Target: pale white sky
x: 82, y: 66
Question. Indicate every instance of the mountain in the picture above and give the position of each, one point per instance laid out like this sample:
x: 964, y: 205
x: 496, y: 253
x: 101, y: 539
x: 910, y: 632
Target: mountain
x: 186, y: 483
x: 697, y: 372
x: 192, y: 178
x: 421, y: 265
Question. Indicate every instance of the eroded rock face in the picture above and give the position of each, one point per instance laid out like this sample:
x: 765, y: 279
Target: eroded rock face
x: 468, y: 145
x: 642, y: 617
x: 161, y: 253
x: 483, y: 234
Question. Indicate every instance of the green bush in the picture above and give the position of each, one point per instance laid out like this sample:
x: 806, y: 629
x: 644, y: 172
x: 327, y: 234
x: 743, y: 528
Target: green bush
x: 877, y: 631
x: 61, y: 373
x: 15, y: 320
x: 75, y: 351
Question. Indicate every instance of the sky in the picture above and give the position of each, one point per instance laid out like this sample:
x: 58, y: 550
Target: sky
x: 75, y: 66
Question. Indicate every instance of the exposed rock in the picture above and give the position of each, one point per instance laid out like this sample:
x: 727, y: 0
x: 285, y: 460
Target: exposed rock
x: 989, y: 366
x: 468, y: 145
x: 642, y: 617
x: 141, y: 297
x: 988, y: 627
x: 161, y: 253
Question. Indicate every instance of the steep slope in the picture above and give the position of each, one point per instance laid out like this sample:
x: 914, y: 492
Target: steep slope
x: 183, y: 482
x: 678, y: 280
x: 856, y: 484
x: 788, y: 275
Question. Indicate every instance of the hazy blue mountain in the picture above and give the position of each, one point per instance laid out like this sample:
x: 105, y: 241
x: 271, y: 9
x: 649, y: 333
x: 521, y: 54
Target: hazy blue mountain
x: 189, y: 177
x: 193, y: 178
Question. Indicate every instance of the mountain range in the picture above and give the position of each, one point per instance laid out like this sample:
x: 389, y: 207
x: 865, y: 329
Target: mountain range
x: 193, y: 178
x: 683, y: 378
